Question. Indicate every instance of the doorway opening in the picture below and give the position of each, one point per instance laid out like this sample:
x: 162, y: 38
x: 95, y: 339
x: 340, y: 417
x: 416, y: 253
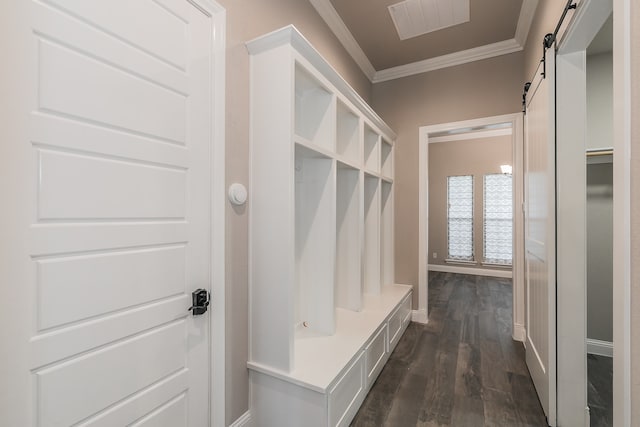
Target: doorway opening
x: 585, y: 215
x: 507, y: 125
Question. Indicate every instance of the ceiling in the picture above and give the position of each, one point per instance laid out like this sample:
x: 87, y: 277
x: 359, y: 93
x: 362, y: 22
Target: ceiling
x: 367, y: 30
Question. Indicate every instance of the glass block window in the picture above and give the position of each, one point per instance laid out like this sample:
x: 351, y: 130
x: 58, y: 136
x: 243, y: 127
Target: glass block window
x: 498, y: 219
x: 460, y: 218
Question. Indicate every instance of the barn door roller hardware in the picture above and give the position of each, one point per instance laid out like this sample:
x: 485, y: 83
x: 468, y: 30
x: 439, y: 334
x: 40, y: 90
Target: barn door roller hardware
x: 547, y: 42
x: 549, y: 39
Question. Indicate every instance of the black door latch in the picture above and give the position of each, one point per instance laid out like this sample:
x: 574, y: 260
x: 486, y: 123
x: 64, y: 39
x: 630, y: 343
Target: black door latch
x: 200, y: 301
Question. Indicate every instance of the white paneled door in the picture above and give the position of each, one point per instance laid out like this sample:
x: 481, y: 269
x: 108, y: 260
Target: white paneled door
x: 112, y: 230
x: 540, y: 236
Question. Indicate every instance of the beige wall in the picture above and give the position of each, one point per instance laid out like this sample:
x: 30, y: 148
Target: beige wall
x: 476, y: 157
x: 480, y: 89
x: 635, y: 212
x: 246, y: 20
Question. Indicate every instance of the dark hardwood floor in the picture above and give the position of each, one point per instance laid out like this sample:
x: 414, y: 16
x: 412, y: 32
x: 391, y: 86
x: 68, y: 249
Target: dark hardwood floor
x: 462, y: 369
x: 600, y: 392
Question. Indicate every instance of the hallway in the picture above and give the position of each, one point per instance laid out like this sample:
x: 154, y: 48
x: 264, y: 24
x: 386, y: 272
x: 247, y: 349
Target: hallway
x: 462, y: 369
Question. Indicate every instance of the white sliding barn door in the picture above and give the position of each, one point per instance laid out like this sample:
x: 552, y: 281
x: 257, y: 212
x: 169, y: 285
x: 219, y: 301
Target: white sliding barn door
x: 540, y: 237
x: 111, y: 225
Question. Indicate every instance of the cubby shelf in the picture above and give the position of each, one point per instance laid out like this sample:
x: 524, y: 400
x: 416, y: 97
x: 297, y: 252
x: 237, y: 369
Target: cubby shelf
x: 314, y: 110
x: 324, y: 311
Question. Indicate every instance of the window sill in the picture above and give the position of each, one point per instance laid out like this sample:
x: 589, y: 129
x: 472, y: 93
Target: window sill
x: 493, y: 264
x: 460, y: 261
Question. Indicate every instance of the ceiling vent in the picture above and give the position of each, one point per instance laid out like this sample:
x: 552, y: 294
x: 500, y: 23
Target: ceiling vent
x: 416, y: 17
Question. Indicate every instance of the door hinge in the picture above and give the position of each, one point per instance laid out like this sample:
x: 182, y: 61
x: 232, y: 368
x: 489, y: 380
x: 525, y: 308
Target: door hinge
x: 200, y: 301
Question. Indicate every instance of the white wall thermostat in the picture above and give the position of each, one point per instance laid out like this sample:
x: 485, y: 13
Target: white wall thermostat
x: 237, y: 194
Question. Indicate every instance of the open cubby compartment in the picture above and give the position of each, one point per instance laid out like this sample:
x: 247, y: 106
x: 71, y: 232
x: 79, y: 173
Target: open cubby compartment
x: 348, y: 232
x: 314, y: 110
x: 348, y: 134
x: 371, y: 149
x: 386, y: 233
x: 371, y: 268
x: 315, y: 224
x: 386, y: 158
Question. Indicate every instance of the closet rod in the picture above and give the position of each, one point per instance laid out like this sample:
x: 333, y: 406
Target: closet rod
x: 607, y: 152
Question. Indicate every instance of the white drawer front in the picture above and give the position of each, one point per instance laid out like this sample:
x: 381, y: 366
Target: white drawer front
x: 396, y: 321
x: 375, y: 353
x: 405, y: 308
x: 344, y: 398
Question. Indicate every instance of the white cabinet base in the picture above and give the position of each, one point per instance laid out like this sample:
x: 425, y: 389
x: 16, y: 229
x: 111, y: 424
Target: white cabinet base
x: 322, y: 391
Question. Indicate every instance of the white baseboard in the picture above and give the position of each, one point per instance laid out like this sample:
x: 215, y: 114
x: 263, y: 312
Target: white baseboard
x: 419, y: 316
x: 519, y: 332
x: 507, y: 274
x: 601, y: 348
x: 243, y: 421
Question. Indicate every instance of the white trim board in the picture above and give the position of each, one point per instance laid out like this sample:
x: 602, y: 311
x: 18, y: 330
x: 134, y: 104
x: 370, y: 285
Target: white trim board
x: 243, y: 420
x: 601, y: 348
x: 419, y: 316
x: 326, y: 10
x: 218, y: 198
x: 622, y: 119
x: 339, y: 28
x: 507, y: 274
x: 519, y: 333
x: 471, y: 135
x: 450, y: 60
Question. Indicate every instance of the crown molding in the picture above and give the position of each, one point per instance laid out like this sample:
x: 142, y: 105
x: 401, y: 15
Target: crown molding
x: 527, y: 12
x: 339, y: 28
x: 458, y: 58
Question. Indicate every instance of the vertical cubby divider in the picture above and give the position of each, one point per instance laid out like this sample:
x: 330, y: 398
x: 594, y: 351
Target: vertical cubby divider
x: 371, y: 282
x: 386, y: 233
x: 348, y: 239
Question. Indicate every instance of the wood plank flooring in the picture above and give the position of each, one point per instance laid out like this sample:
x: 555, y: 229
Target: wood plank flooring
x: 462, y: 369
x: 600, y: 392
